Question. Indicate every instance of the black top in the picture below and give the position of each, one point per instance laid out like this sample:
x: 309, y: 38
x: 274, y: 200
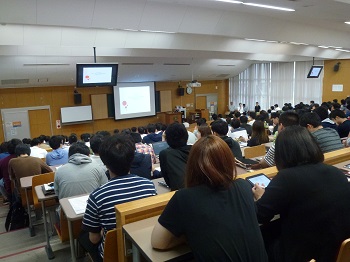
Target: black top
x: 141, y: 165
x: 219, y: 225
x: 248, y: 128
x: 173, y: 165
x: 314, y: 205
x: 344, y: 129
x: 254, y: 141
x: 234, y: 146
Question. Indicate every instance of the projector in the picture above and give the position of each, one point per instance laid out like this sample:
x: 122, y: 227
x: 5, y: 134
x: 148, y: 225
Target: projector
x: 195, y: 84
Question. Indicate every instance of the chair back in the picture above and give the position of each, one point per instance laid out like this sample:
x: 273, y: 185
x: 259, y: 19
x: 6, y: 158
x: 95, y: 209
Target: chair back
x: 137, y: 210
x: 111, y: 246
x: 62, y: 228
x: 254, y: 151
x: 40, y: 180
x: 344, y: 252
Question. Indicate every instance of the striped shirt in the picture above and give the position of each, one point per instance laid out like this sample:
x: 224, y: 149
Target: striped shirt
x: 270, y: 156
x: 328, y: 139
x: 100, y: 212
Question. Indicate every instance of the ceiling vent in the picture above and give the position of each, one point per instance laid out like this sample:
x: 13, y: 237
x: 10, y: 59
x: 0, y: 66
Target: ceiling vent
x: 173, y: 64
x: 137, y: 64
x: 14, y: 82
x: 223, y: 75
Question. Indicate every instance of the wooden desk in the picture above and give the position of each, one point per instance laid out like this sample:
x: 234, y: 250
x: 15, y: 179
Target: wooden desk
x: 42, y: 199
x: 26, y: 184
x: 71, y: 216
x: 140, y: 232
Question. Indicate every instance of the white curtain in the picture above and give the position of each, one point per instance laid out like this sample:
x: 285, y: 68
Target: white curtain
x: 275, y: 83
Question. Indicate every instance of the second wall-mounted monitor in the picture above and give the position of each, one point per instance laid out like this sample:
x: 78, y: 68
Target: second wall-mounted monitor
x: 89, y: 75
x: 315, y: 71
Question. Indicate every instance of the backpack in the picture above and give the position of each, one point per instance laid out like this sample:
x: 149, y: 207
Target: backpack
x: 17, y: 217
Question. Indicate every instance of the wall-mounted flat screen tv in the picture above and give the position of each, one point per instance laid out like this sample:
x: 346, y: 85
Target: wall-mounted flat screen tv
x: 89, y: 75
x: 315, y: 71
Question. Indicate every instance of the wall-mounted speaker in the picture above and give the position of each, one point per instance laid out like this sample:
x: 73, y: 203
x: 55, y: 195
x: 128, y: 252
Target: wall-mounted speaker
x: 77, y: 98
x: 336, y: 67
x: 181, y: 91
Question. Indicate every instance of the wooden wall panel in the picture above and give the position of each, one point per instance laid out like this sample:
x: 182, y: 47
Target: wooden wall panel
x: 39, y: 121
x: 25, y: 97
x: 99, y: 106
x: 330, y: 78
x: 165, y: 101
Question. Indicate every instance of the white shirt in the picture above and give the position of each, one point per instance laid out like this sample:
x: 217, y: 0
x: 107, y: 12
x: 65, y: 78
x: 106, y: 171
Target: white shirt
x: 191, y: 138
x: 36, y: 151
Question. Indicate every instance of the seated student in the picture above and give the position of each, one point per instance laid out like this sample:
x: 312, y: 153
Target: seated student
x: 215, y: 213
x: 312, y: 199
x: 86, y: 138
x: 245, y: 125
x: 142, y: 165
x: 327, y: 138
x: 220, y: 129
x: 325, y: 121
x: 341, y: 121
x: 4, y: 152
x: 237, y: 132
x: 275, y: 120
x: 173, y: 160
x: 80, y: 175
x: 72, y: 139
x: 35, y: 150
x: 251, y: 118
x: 95, y: 144
x: 59, y: 155
x: 203, y: 131
x: 4, y: 169
x: 287, y: 118
x: 117, y: 152
x: 25, y: 165
x: 152, y: 137
x: 143, y: 148
x: 43, y: 142
x: 259, y: 135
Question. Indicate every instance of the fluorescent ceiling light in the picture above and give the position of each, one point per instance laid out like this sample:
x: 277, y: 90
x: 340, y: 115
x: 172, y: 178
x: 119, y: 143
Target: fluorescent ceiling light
x: 252, y: 39
x: 343, y: 50
x: 155, y: 31
x: 270, y: 7
x: 132, y: 30
x: 347, y: 23
x: 337, y: 47
x: 296, y: 43
x: 322, y: 46
x: 230, y: 1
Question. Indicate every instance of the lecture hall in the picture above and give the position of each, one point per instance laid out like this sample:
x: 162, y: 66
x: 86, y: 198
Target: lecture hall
x: 113, y: 110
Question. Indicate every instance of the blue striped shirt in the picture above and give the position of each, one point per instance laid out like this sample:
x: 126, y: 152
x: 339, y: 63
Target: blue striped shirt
x: 100, y: 212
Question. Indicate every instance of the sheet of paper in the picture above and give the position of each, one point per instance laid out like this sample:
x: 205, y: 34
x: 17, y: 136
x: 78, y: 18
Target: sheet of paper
x: 79, y: 204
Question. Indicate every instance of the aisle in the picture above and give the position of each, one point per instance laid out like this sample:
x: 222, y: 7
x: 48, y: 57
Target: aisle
x: 18, y: 246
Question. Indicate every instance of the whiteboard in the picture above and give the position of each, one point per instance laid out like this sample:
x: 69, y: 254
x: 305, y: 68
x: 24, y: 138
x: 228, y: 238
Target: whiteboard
x: 76, y: 114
